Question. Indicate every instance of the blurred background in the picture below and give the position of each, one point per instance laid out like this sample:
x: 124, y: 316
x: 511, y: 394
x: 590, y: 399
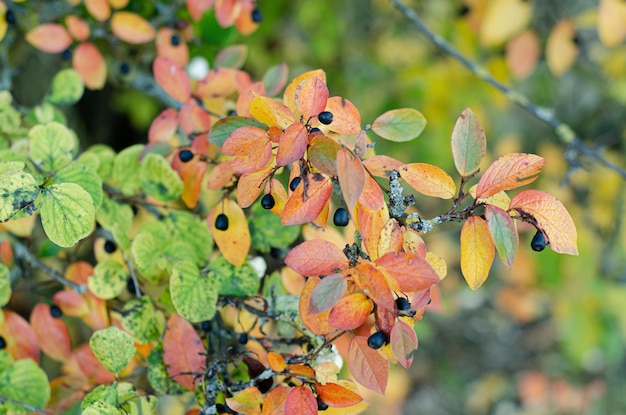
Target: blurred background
x: 547, y: 336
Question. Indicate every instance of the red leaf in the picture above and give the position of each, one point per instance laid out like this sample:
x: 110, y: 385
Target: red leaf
x: 132, y: 28
x: 316, y: 257
x: 163, y: 127
x: 183, y: 352
x: 21, y: 341
x: 412, y: 272
x: 78, y: 28
x: 301, y: 401
x: 509, y: 172
x: 52, y: 333
x: 172, y: 78
x: 308, y: 200
x: 316, y: 323
x: 226, y: 11
x: 350, y: 312
x: 368, y: 366
x: 276, y: 362
x: 193, y: 118
x: 49, y: 37
x: 89, y: 365
x: 90, y: 65
x: 326, y: 294
x: 197, y: 8
x: 346, y: 117
x: 374, y: 284
x: 292, y: 145
x: 274, y: 403
x: 336, y: 395
x: 311, y: 96
x: 351, y: 177
x: 391, y: 238
x: 251, y: 146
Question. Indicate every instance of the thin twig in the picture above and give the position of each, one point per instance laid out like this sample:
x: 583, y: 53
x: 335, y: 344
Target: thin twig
x: 22, y: 252
x: 562, y: 130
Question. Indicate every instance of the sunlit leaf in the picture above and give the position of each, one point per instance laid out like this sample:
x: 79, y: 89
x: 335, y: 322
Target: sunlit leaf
x: 52, y: 333
x: 308, y: 200
x: 561, y: 49
x: 504, y: 233
x: 350, y: 311
x: 412, y: 272
x: 274, y: 403
x: 346, y: 117
x: 172, y: 78
x: 477, y: 251
x: 429, y: 180
x: 326, y: 294
x: 301, y: 401
x: 90, y: 64
x: 508, y: 172
x: 271, y: 112
x: 183, y: 352
x: 85, y: 177
x: 337, y: 396
x: 316, y: 257
x: 367, y: 365
x: 132, y: 28
x: 371, y: 224
x: 551, y: 217
x: 391, y: 238
x: 469, y: 143
x: 194, y: 295
x: 374, y: 284
x: 51, y: 146
x: 399, y: 125
x: 234, y: 242
x: 67, y: 213
x: 403, y: 342
x: 113, y: 348
x: 49, y: 37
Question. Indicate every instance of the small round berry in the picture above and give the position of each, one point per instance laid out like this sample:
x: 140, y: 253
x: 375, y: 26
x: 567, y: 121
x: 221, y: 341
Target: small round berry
x: 10, y: 17
x: 341, y: 217
x: 206, y: 326
x: 403, y: 304
x: 376, y: 340
x: 185, y: 155
x: 256, y: 15
x: 3, y: 343
x: 221, y: 222
x: 243, y: 338
x: 321, y: 405
x: 124, y: 68
x: 268, y: 202
x: 175, y: 40
x: 67, y: 54
x: 539, y: 242
x: 325, y: 117
x: 463, y: 10
x: 294, y: 183
x: 109, y: 247
x: 55, y: 311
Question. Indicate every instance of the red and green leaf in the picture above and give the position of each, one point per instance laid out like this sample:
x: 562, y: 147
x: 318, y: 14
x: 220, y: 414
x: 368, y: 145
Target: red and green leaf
x: 327, y: 293
x: 322, y: 154
x: 403, y: 342
x: 247, y: 402
x: 469, y: 143
x: 504, y: 233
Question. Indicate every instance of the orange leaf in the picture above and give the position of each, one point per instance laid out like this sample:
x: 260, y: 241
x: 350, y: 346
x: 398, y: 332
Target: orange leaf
x: 49, y: 37
x: 271, y: 112
x: 276, y: 362
x: 346, y: 117
x: 226, y: 11
x: 316, y: 323
x: 132, y: 28
x: 381, y: 165
x: 523, y: 53
x: 428, y: 180
x: 316, y: 257
x: 277, y: 190
x: 303, y: 370
x: 220, y: 175
x: 274, y: 403
x: 177, y: 52
x: 99, y: 9
x: 197, y: 8
x: 350, y: 312
x: 172, y: 78
x: 403, y: 342
x: 90, y: 65
x: 336, y: 395
x: 163, y: 127
x: 412, y: 272
x: 351, y: 177
x: 414, y: 243
x: 289, y: 96
x: 371, y: 224
x: 220, y: 82
x: 118, y: 4
x: 551, y: 217
x: 244, y: 23
x: 6, y: 253
x: 71, y: 303
x: 368, y: 366
x: 292, y: 145
x: 308, y: 200
x: 193, y: 118
x: 391, y: 237
x: 561, y: 51
x: 477, y: 251
x: 234, y: 242
x: 247, y: 402
x: 372, y: 196
x: 327, y: 293
x: 183, y: 352
x: 21, y: 340
x: 250, y: 186
x: 301, y: 401
x: 52, y: 333
x: 251, y: 146
x: 192, y: 174
x: 311, y: 96
x: 78, y: 28
x: 374, y: 284
x: 509, y: 172
x: 246, y: 95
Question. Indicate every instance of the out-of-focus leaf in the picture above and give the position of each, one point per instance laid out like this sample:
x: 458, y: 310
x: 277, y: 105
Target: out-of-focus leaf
x: 611, y: 18
x: 132, y: 28
x: 172, y: 78
x: 99, y: 9
x: 561, y: 50
x: 178, y: 52
x: 399, y: 125
x: 142, y: 320
x: 20, y: 338
x: 477, y: 251
x: 52, y: 333
x: 503, y: 19
x: 78, y: 28
x: 523, y: 53
x: 26, y: 383
x: 67, y: 87
x: 49, y: 37
x: 158, y: 179
x: 231, y: 57
x: 275, y: 79
x: 90, y: 64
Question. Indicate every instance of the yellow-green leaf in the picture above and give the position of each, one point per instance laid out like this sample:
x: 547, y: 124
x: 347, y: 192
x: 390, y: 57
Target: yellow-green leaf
x: 101, y: 408
x: 125, y: 172
x: 194, y: 295
x: 142, y: 320
x: 477, y: 251
x: 24, y: 381
x: 18, y: 190
x: 51, y: 146
x: 112, y: 213
x: 469, y: 143
x: 85, y: 177
x: 158, y: 179
x: 108, y: 279
x: 5, y: 285
x: 67, y: 213
x: 67, y: 87
x: 399, y: 125
x: 113, y: 348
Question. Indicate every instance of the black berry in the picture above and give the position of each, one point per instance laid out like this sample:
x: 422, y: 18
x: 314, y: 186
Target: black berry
x: 243, y: 338
x: 175, y: 41
x: 463, y: 10
x: 55, y: 311
x: 221, y: 222
x: 109, y: 247
x: 257, y: 16
x: 206, y: 325
x: 130, y: 286
x: 294, y: 183
x: 315, y: 130
x: 376, y: 340
x: 67, y: 54
x: 268, y: 202
x: 10, y: 17
x: 185, y: 155
x: 325, y: 117
x: 341, y: 217
x: 124, y: 68
x: 3, y: 343
x: 321, y: 405
x: 403, y: 304
x: 539, y: 242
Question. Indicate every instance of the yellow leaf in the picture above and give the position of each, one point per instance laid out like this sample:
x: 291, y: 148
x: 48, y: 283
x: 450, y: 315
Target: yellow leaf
x: 429, y: 180
x: 500, y: 199
x: 477, y: 251
x: 439, y: 265
x: 504, y: 19
x: 561, y: 51
x: 271, y: 112
x: 3, y: 20
x: 233, y: 242
x: 132, y: 28
x: 611, y: 22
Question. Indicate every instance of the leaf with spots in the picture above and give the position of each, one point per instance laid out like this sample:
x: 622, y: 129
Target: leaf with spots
x: 18, y: 190
x: 67, y: 213
x: 193, y: 294
x: 509, y: 172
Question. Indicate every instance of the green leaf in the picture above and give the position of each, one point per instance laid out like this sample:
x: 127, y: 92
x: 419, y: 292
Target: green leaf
x: 469, y: 143
x: 504, y: 233
x: 149, y: 259
x: 24, y: 381
x: 399, y: 125
x: 231, y: 57
x: 113, y: 348
x: 275, y: 79
x: 224, y: 127
x: 106, y: 157
x: 267, y: 232
x: 194, y: 295
x: 112, y: 213
x: 18, y: 191
x: 5, y: 98
x: 189, y: 228
x: 102, y: 393
x: 67, y: 213
x: 11, y: 166
x: 142, y: 320
x: 158, y: 179
x: 51, y: 146
x: 67, y: 87
x: 158, y: 377
x: 5, y: 285
x: 10, y: 119
x: 101, y: 408
x: 125, y: 173
x: 85, y: 177
x: 5, y: 358
x: 108, y: 279
x: 235, y: 281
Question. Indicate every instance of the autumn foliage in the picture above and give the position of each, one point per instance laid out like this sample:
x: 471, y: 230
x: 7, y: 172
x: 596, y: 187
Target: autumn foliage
x: 159, y: 245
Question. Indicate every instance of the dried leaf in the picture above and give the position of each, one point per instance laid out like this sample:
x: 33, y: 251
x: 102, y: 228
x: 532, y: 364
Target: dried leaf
x: 477, y: 251
x: 429, y: 180
x: 508, y: 172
